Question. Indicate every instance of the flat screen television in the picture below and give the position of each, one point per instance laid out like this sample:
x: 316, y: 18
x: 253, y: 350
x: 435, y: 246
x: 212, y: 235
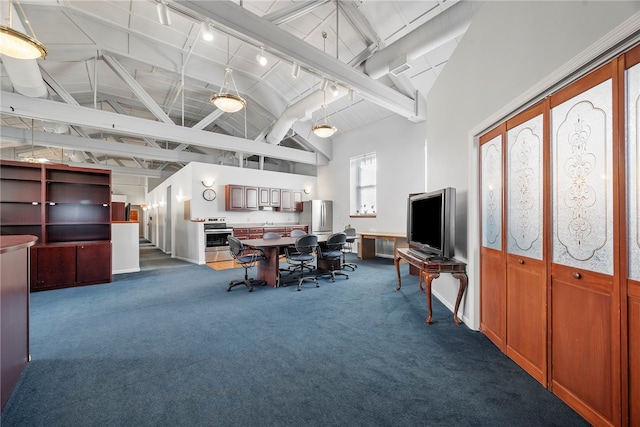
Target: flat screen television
x: 431, y: 219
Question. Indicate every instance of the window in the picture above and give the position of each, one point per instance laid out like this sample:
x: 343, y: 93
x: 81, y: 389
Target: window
x: 363, y: 185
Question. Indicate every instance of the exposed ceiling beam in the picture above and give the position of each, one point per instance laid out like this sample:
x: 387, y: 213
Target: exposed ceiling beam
x: 287, y: 14
x: 242, y: 22
x: 17, y: 105
x: 23, y: 136
x: 135, y: 87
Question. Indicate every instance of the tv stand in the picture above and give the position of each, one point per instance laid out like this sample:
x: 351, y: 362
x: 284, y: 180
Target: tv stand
x: 430, y: 268
x: 436, y: 258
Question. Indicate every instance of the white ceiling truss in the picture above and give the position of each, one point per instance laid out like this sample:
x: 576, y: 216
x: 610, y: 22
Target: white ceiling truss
x: 120, y: 90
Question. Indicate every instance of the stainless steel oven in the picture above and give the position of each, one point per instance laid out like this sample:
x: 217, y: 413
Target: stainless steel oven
x: 216, y: 240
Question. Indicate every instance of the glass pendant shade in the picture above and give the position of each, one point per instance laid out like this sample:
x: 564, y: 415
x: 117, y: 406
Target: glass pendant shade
x: 324, y: 130
x: 18, y: 45
x: 228, y: 102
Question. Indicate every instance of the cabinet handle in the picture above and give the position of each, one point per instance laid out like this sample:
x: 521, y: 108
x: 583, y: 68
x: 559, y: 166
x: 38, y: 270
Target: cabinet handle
x: 577, y: 275
x: 521, y: 261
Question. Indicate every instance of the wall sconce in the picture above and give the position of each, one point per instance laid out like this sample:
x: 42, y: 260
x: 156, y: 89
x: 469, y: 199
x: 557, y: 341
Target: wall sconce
x: 208, y: 182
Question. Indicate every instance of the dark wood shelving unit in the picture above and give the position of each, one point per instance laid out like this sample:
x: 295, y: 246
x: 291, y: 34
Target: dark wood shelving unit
x: 69, y: 210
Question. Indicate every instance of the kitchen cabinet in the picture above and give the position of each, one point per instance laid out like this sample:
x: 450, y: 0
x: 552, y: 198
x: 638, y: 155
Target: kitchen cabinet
x: 241, y: 198
x: 269, y: 197
x: 290, y: 201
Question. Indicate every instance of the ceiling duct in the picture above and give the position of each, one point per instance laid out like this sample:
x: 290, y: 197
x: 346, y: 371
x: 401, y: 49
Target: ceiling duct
x: 26, y: 77
x: 299, y: 111
x: 446, y: 26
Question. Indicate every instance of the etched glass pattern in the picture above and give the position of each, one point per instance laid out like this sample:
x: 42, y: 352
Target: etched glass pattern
x: 633, y: 173
x: 524, y: 189
x: 491, y: 185
x: 582, y: 164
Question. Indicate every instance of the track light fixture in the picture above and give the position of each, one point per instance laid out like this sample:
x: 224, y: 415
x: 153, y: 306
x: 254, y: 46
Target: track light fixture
x: 295, y: 70
x: 205, y: 29
x: 262, y: 60
x: 163, y: 13
x: 334, y: 90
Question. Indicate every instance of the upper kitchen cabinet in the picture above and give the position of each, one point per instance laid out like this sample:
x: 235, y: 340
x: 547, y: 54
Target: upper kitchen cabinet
x: 241, y: 198
x: 291, y: 201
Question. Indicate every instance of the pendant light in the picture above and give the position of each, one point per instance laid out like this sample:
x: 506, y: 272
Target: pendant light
x: 225, y: 100
x: 324, y: 129
x: 18, y: 45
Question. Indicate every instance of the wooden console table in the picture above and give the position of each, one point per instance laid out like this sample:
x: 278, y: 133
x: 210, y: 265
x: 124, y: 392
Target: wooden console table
x: 431, y: 269
x: 367, y: 245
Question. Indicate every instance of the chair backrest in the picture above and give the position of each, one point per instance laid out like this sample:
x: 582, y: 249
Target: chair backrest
x: 350, y: 232
x: 271, y: 235
x: 297, y: 233
x: 307, y: 244
x: 235, y: 246
x: 336, y: 241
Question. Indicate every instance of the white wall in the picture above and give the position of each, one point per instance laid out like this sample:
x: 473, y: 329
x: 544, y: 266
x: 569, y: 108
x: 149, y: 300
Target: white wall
x: 512, y: 52
x: 399, y: 148
x: 187, y: 238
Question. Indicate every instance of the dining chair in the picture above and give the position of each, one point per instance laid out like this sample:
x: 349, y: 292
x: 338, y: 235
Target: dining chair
x: 301, y: 258
x: 247, y: 258
x: 330, y: 257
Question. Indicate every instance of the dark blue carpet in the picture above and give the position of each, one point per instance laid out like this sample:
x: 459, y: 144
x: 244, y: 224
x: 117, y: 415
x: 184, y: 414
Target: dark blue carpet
x: 172, y: 347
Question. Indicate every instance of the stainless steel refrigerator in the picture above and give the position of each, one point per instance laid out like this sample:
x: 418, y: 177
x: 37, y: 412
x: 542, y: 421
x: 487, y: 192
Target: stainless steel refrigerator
x: 318, y: 215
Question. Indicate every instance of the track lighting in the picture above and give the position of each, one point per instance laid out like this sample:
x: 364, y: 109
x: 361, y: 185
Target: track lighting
x: 334, y: 90
x: 295, y: 70
x: 262, y: 60
x: 163, y: 13
x: 205, y: 29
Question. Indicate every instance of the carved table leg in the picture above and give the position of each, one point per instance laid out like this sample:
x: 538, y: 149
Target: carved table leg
x: 462, y: 277
x: 396, y: 260
x: 428, y: 278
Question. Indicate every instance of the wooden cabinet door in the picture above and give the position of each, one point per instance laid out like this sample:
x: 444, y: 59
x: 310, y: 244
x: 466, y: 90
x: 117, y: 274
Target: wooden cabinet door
x: 297, y: 201
x: 526, y: 309
x: 55, y: 266
x: 492, y: 255
x: 286, y: 200
x: 275, y: 197
x: 264, y: 196
x: 251, y: 198
x: 94, y: 263
x: 234, y: 197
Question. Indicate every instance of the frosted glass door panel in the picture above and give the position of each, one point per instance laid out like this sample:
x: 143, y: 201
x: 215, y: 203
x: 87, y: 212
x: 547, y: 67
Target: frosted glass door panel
x: 524, y: 189
x: 491, y: 153
x: 581, y: 138
x: 633, y: 172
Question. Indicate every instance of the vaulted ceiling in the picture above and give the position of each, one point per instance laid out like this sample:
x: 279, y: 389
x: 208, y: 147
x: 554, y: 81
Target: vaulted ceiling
x: 120, y: 89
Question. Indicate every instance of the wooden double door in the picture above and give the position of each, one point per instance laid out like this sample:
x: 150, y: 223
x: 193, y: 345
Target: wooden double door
x: 560, y: 241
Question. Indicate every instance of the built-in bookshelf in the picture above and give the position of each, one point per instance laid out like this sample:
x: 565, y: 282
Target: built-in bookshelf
x: 69, y: 210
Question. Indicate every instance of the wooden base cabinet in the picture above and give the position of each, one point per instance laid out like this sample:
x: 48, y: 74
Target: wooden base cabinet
x: 64, y: 265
